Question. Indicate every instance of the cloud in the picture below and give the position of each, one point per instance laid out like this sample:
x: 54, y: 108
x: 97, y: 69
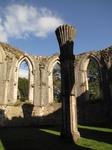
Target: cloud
x: 23, y: 73
x: 3, y: 34
x: 21, y: 21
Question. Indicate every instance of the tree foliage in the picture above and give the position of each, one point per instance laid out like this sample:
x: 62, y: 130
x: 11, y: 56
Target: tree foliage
x: 23, y: 88
x: 57, y: 83
x: 93, y: 80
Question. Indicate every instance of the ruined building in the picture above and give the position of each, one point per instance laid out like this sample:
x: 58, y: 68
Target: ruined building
x: 41, y: 81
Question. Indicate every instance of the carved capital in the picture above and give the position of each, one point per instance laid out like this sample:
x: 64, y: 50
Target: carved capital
x: 65, y: 33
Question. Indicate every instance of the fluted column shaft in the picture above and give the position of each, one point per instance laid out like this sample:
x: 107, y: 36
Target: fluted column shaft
x: 66, y: 35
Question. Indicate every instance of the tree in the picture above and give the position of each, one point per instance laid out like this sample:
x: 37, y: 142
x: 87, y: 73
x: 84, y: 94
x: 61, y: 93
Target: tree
x: 57, y: 83
x: 23, y: 88
x: 93, y: 80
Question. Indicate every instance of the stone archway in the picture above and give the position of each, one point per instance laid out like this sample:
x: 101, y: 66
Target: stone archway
x: 53, y: 62
x: 83, y: 72
x: 31, y: 78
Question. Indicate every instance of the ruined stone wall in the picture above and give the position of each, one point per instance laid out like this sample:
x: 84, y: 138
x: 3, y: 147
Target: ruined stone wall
x: 27, y: 114
x: 94, y: 112
x: 41, y: 83
x: 40, y: 75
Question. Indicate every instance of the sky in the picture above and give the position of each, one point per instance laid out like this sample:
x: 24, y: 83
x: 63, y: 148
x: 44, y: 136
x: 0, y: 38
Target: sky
x: 30, y: 24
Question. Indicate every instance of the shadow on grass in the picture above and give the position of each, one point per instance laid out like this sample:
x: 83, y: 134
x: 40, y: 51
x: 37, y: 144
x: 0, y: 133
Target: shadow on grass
x: 100, y: 136
x: 32, y: 138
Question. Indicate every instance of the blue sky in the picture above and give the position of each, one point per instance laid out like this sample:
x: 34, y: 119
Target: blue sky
x: 30, y: 24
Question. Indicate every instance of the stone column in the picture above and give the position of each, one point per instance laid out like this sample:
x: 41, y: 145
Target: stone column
x: 66, y: 35
x: 42, y: 85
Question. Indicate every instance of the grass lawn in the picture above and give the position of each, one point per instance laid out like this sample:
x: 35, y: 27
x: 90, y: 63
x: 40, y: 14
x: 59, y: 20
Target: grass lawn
x: 32, y: 138
x: 96, y: 138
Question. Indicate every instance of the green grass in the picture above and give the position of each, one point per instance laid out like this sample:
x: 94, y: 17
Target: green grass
x: 93, y: 144
x: 1, y: 146
x: 32, y: 138
x: 96, y: 138
x: 51, y: 131
x: 95, y: 128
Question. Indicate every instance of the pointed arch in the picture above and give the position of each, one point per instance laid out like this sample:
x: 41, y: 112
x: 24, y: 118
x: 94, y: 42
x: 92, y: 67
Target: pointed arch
x: 83, y: 71
x: 52, y: 62
x: 31, y: 67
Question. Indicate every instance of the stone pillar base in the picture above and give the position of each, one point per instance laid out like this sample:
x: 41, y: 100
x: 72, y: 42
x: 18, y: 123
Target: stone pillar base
x: 76, y: 136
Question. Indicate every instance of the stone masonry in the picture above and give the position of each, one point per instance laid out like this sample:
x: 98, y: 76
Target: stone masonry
x: 41, y: 81
x: 66, y: 35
